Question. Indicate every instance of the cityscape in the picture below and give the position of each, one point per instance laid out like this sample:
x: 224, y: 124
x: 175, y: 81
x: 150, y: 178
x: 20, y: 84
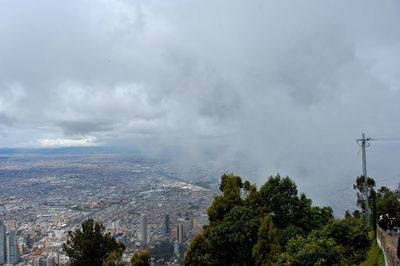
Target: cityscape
x: 142, y: 203
x: 198, y: 133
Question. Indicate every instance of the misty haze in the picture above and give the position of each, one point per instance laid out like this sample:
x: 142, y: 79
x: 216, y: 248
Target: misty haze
x: 139, y: 114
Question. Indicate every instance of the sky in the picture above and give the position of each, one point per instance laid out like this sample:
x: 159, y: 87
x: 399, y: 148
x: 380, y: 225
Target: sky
x: 261, y: 86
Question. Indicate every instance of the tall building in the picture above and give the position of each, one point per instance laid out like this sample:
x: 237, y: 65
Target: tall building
x: 143, y: 229
x: 167, y: 225
x: 179, y: 233
x: 12, y: 254
x: 2, y: 243
x: 194, y: 223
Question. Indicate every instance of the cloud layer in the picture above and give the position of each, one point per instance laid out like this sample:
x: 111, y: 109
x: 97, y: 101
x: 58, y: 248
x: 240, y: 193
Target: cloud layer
x: 278, y: 86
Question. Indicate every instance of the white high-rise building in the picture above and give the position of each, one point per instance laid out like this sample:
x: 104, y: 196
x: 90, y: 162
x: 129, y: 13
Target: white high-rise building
x: 143, y: 229
x: 2, y: 243
x: 12, y: 254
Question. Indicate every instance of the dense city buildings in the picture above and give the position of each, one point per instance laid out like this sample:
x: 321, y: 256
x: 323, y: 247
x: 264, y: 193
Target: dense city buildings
x: 140, y: 202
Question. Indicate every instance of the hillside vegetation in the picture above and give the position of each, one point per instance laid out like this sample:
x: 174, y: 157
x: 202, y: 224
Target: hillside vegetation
x: 275, y: 225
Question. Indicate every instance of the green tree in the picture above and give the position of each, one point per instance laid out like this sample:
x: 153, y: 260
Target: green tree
x: 141, y: 259
x: 279, y: 196
x: 351, y: 235
x: 321, y: 216
x: 266, y: 250
x: 230, y: 180
x: 250, y: 227
x: 289, y: 232
x: 357, y: 214
x: 293, y: 215
x: 312, y: 251
x: 342, y: 242
x: 231, y: 240
x: 253, y: 200
x: 198, y: 253
x: 246, y: 185
x: 308, y: 217
x: 91, y: 245
x: 231, y: 187
x: 114, y: 259
x: 388, y: 202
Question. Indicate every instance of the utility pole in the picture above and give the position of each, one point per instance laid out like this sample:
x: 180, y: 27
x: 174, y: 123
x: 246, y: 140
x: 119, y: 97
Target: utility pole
x: 364, y: 142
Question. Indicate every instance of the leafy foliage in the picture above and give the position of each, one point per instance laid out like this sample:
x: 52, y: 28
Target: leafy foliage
x: 252, y: 227
x: 266, y: 250
x: 232, y: 181
x: 279, y: 196
x: 311, y: 250
x: 351, y: 235
x: 198, y: 253
x: 114, y: 259
x: 343, y: 242
x: 375, y: 257
x: 388, y: 202
x: 141, y: 259
x: 231, y: 186
x: 91, y: 245
x: 292, y: 214
x: 235, y: 236
x: 231, y: 241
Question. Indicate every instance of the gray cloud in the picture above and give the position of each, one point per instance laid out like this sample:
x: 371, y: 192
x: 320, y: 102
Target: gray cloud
x: 271, y: 86
x: 72, y: 128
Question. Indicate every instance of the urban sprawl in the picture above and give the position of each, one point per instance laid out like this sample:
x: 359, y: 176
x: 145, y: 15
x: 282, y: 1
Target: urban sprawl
x: 142, y: 203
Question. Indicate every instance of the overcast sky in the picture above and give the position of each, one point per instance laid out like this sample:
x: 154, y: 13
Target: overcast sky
x: 280, y: 86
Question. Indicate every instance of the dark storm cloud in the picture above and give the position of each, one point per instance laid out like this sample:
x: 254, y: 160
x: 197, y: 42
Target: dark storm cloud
x: 279, y: 86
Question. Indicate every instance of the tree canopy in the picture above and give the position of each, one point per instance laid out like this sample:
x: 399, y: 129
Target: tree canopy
x: 114, y: 259
x: 267, y: 249
x: 141, y: 259
x: 261, y: 227
x: 198, y: 252
x: 90, y: 245
x: 232, y: 240
x: 341, y: 242
x: 388, y: 202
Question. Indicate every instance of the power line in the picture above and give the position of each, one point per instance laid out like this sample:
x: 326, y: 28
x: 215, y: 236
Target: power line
x: 388, y: 178
x: 385, y: 139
